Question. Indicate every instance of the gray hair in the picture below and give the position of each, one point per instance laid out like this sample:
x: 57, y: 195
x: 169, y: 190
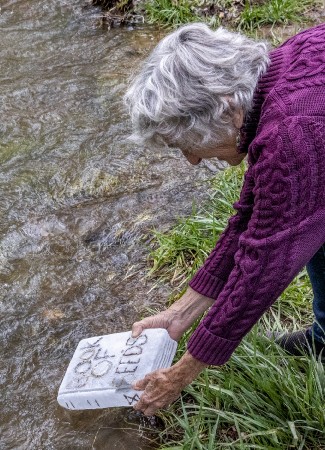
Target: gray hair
x: 191, y: 84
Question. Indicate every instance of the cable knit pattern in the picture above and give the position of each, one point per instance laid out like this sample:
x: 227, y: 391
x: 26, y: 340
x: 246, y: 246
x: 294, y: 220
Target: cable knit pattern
x: 280, y: 220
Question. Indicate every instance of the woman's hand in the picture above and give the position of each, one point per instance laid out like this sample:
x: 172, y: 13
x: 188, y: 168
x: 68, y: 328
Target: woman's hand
x: 178, y: 318
x: 164, y: 386
x: 168, y: 319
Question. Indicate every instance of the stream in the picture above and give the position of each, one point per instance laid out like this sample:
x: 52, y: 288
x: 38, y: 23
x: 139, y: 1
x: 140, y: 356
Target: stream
x: 77, y: 202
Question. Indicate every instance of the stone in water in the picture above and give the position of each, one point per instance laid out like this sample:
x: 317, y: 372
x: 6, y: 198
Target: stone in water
x: 103, y: 368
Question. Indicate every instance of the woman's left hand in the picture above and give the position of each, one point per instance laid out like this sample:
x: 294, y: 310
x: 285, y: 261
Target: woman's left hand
x: 164, y: 386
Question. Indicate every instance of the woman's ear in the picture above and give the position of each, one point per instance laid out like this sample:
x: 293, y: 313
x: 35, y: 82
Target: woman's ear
x: 236, y: 113
x: 238, y: 118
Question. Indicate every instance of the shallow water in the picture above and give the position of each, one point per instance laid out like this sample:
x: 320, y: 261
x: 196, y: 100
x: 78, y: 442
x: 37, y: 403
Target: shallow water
x: 76, y: 200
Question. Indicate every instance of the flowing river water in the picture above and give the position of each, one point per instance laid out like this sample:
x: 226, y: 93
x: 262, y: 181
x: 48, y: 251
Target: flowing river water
x: 76, y: 200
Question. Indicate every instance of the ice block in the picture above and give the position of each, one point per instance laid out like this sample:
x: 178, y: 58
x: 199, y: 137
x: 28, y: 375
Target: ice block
x: 103, y: 368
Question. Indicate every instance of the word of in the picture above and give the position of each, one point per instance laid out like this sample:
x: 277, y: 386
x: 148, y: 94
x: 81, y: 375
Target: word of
x: 94, y: 363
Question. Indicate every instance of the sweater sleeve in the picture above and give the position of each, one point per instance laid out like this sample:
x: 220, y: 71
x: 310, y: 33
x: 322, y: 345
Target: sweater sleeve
x: 213, y: 275
x: 285, y: 230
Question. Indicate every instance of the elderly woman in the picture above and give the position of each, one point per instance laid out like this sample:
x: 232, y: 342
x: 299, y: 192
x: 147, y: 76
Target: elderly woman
x: 221, y: 94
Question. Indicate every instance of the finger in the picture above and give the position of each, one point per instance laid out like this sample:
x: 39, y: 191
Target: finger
x: 140, y: 385
x: 142, y: 404
x: 139, y: 406
x: 150, y: 411
x: 136, y: 329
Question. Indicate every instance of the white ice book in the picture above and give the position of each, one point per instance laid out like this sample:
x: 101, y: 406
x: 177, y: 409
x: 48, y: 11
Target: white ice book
x: 103, y: 368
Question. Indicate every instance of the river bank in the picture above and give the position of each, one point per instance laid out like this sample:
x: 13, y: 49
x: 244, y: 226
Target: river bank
x: 275, y: 20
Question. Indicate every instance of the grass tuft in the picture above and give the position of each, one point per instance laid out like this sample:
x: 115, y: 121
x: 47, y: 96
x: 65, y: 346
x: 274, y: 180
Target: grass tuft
x: 178, y: 254
x: 261, y: 399
x: 280, y: 12
x: 246, y: 16
x: 170, y: 13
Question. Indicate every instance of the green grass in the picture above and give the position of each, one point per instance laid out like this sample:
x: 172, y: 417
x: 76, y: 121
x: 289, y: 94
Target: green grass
x: 273, y: 12
x: 179, y: 253
x: 246, y: 16
x: 262, y: 398
x: 170, y: 13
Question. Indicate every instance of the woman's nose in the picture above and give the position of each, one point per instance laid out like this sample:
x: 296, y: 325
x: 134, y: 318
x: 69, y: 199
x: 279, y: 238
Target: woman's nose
x: 193, y: 159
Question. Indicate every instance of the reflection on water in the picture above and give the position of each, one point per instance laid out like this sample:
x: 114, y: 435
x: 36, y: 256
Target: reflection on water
x: 76, y: 201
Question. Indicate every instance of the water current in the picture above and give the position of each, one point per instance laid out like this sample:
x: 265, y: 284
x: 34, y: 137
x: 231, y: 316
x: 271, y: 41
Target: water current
x: 77, y: 199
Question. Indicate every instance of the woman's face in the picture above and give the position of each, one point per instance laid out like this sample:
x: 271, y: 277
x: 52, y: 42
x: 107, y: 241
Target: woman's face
x: 224, y: 152
x: 227, y: 151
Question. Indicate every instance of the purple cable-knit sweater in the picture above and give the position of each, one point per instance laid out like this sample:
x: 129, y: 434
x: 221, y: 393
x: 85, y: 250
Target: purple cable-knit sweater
x: 280, y: 219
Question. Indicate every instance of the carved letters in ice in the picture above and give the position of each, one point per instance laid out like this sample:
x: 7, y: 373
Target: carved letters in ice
x: 103, y: 368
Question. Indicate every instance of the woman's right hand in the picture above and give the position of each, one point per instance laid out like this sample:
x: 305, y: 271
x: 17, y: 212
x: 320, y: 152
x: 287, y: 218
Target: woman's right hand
x: 167, y: 319
x: 178, y: 318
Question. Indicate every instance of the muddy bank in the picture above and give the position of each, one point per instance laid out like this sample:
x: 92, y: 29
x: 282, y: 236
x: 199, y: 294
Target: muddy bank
x: 268, y: 19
